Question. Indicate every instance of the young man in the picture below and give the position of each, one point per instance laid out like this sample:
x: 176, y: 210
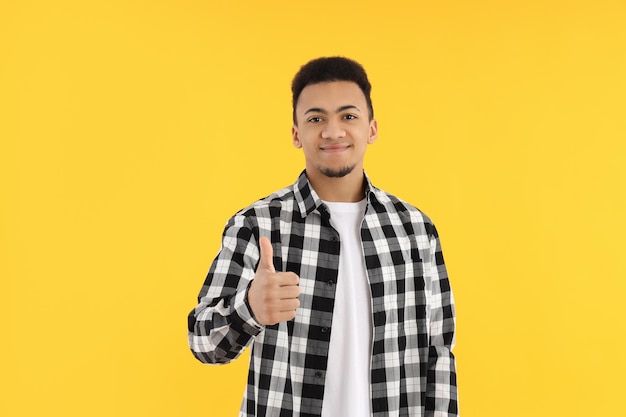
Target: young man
x: 339, y: 288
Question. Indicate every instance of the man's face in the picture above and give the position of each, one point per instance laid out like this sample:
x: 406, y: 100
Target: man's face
x: 333, y: 128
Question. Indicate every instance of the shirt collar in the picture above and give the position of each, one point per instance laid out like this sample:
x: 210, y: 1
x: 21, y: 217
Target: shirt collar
x: 308, y: 200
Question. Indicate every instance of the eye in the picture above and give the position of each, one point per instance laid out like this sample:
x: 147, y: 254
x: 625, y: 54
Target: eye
x: 314, y: 119
x: 350, y: 116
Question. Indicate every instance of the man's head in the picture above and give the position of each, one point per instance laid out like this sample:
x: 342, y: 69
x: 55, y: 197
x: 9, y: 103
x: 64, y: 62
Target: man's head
x: 328, y: 69
x: 333, y: 118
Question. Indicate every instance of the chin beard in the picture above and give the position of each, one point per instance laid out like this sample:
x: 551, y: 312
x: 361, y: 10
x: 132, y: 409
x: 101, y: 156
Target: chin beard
x: 336, y: 173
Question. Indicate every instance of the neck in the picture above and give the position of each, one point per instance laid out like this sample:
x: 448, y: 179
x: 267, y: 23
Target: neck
x: 347, y: 189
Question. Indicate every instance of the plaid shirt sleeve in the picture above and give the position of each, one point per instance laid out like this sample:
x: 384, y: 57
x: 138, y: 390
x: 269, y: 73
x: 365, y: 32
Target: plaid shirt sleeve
x: 441, y: 385
x: 222, y: 325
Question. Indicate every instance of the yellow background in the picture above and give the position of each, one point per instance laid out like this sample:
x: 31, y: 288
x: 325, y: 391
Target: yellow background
x: 131, y: 130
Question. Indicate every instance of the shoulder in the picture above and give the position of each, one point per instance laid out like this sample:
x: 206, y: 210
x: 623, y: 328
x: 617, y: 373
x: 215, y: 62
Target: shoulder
x: 244, y: 228
x: 265, y: 208
x: 407, y: 213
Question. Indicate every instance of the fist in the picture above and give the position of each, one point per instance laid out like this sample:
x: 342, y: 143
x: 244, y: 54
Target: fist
x: 273, y: 296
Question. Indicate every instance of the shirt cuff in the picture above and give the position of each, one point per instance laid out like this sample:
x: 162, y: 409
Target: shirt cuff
x: 244, y: 312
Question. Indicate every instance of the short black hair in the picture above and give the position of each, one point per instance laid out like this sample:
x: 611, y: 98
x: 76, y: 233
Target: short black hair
x: 325, y: 69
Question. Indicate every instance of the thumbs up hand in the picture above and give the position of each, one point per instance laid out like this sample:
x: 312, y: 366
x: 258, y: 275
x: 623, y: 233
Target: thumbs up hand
x: 273, y: 296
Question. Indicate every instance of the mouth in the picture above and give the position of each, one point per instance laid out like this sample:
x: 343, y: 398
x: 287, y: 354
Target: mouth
x: 334, y: 148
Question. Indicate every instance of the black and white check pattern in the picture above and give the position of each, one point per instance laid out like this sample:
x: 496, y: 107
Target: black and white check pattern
x: 413, y: 369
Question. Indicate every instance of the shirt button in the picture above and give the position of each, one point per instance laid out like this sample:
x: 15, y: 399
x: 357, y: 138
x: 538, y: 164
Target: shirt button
x: 324, y: 329
x: 334, y: 238
x: 318, y: 374
x: 330, y: 283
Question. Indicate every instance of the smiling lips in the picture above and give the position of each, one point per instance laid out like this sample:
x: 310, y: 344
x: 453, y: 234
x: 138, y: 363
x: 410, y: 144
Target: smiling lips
x: 334, y: 148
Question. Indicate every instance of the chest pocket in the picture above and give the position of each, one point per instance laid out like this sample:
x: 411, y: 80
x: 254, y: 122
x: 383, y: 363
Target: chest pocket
x: 400, y: 259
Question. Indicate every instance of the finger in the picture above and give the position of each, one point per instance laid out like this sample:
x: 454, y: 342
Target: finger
x: 266, y: 259
x: 289, y: 305
x: 287, y: 279
x: 290, y: 292
x: 285, y: 316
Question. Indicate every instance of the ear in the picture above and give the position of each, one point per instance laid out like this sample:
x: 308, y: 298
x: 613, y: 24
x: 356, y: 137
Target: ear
x: 373, y: 132
x: 295, y: 137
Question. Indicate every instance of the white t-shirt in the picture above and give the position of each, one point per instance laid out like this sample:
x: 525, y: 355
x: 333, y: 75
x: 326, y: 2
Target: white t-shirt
x: 347, y: 389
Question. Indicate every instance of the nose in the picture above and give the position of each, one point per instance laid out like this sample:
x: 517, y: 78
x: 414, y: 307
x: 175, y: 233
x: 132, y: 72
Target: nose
x: 333, y: 130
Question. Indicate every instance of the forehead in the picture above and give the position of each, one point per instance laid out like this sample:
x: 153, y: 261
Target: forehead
x: 330, y: 95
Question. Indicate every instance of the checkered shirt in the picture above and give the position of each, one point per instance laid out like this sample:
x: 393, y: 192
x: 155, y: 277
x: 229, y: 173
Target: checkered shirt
x: 413, y: 370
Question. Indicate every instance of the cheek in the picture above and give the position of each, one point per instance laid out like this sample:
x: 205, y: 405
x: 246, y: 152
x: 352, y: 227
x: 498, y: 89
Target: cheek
x: 307, y: 147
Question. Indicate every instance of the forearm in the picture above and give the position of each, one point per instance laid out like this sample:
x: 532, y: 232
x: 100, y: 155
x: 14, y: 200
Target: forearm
x: 222, y: 325
x: 441, y: 381
x: 441, y: 385
x: 219, y: 331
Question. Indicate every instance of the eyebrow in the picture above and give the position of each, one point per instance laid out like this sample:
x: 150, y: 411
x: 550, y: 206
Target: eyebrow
x: 339, y: 110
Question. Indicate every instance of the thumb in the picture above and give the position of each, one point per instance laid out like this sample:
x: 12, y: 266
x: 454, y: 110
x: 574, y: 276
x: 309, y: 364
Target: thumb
x: 266, y: 259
